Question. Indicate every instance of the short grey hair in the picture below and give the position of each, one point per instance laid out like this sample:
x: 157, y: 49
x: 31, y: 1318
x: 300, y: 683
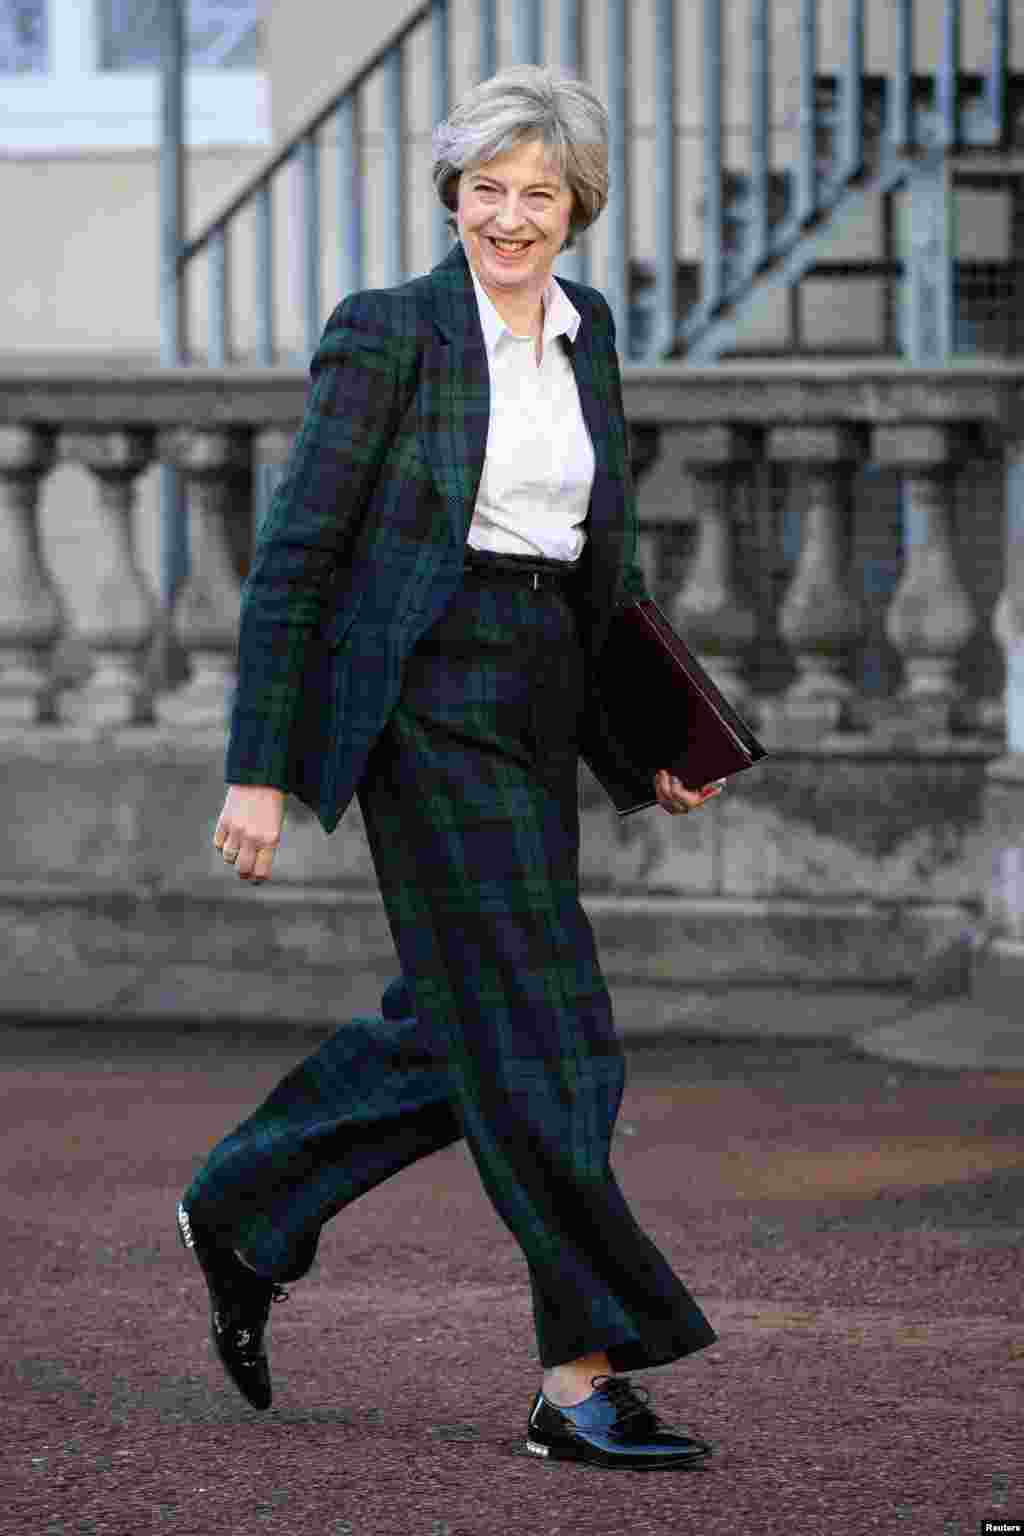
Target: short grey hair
x: 520, y: 104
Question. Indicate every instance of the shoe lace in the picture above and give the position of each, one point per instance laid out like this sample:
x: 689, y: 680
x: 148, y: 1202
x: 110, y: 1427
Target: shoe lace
x: 629, y: 1404
x: 274, y: 1293
x: 243, y: 1314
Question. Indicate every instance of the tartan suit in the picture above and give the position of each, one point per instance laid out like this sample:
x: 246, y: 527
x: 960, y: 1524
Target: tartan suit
x: 362, y: 547
x: 458, y: 706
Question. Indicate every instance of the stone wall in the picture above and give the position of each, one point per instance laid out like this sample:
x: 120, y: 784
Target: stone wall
x: 813, y: 869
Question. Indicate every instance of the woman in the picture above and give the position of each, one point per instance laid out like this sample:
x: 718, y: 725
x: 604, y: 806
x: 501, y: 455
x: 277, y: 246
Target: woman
x: 428, y: 592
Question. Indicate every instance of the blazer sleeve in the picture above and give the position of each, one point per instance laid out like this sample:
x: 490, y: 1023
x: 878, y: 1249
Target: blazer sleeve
x: 352, y: 411
x: 633, y: 586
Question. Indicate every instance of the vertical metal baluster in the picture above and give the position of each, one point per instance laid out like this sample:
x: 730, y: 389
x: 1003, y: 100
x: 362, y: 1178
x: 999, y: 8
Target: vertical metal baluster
x: 807, y: 168
x: 488, y: 38
x: 394, y: 165
x: 999, y: 21
x: 219, y: 344
x: 173, y: 190
x: 570, y: 36
x: 760, y: 133
x: 439, y: 39
x: 350, y: 194
x: 526, y: 32
x: 575, y: 264
x: 949, y: 68
x: 264, y: 274
x: 929, y: 259
x: 617, y: 289
x: 713, y: 65
x: 309, y: 160
x: 900, y: 81
x: 853, y: 94
x: 174, y: 275
x: 264, y: 476
x: 664, y: 328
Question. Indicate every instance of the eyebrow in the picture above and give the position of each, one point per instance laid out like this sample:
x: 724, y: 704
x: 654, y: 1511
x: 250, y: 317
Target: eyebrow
x: 481, y: 176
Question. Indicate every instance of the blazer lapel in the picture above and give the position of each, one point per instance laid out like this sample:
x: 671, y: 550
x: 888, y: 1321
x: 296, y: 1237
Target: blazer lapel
x: 455, y: 391
x: 605, y: 520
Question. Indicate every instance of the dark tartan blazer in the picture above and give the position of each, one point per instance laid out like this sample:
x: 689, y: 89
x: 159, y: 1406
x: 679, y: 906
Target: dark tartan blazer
x: 362, y: 546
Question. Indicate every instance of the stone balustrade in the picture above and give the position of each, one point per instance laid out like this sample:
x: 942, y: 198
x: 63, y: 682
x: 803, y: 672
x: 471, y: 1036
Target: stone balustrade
x: 761, y: 503
x: 710, y: 435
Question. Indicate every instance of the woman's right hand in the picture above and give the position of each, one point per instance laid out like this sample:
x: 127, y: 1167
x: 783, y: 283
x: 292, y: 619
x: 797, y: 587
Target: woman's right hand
x: 249, y: 829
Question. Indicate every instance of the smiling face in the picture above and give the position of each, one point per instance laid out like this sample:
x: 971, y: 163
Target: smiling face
x: 517, y: 197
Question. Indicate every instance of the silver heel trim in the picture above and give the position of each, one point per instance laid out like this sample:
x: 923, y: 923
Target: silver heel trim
x: 185, y: 1227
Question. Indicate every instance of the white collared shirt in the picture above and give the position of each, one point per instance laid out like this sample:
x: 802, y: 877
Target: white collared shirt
x: 539, y: 465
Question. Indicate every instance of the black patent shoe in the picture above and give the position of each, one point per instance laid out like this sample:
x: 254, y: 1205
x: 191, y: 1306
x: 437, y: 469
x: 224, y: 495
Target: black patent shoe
x: 239, y: 1307
x: 612, y: 1428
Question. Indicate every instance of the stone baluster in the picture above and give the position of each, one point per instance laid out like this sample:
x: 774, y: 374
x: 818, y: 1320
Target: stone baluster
x: 30, y: 613
x: 931, y: 617
x: 216, y: 469
x: 1005, y: 789
x: 711, y: 611
x: 657, y: 514
x: 819, y: 617
x: 273, y: 449
x: 119, y: 620
x: 1008, y: 616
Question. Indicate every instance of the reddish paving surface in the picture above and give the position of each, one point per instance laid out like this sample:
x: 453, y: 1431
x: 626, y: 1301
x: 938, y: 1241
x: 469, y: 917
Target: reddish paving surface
x: 853, y: 1230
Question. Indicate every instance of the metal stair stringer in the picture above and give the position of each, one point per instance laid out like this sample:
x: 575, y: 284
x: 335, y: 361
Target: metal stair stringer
x: 704, y: 338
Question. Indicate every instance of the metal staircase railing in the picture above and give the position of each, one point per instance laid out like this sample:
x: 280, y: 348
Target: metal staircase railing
x: 343, y: 111
x: 857, y: 135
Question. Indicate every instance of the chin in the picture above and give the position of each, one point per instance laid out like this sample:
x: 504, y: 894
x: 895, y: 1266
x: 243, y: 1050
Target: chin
x: 529, y: 269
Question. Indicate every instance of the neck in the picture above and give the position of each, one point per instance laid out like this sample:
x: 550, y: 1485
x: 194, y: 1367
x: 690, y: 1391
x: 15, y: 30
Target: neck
x: 522, y: 313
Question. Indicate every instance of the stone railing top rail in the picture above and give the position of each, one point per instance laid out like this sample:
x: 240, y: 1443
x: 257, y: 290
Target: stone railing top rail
x: 88, y: 392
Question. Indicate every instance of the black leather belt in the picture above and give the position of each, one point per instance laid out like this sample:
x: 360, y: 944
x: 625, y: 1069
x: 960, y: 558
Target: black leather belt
x: 534, y: 571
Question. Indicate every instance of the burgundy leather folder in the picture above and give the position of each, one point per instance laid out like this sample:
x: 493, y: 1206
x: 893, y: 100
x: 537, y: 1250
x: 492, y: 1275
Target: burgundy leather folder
x: 651, y: 706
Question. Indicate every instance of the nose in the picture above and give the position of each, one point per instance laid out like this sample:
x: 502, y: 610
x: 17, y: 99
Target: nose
x: 508, y: 216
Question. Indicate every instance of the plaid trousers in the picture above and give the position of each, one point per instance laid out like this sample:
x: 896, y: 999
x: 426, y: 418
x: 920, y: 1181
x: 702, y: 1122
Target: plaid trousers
x: 500, y: 1027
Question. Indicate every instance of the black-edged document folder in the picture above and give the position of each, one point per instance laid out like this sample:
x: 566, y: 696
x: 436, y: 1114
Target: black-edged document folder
x: 652, y: 705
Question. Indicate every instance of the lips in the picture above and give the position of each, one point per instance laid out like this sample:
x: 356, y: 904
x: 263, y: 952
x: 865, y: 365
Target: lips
x: 516, y: 249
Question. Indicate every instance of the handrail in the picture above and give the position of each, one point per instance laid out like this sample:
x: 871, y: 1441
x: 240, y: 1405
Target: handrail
x: 278, y: 158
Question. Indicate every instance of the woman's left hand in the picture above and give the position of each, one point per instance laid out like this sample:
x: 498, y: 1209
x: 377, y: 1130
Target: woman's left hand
x: 673, y: 795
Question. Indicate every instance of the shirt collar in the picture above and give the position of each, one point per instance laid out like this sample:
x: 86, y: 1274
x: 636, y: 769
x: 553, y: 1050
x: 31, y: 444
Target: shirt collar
x: 561, y: 317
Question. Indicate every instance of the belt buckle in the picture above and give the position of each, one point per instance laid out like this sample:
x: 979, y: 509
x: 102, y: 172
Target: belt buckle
x: 536, y: 581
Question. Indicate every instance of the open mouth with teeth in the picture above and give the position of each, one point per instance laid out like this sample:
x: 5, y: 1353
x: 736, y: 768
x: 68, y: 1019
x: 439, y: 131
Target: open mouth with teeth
x: 509, y: 247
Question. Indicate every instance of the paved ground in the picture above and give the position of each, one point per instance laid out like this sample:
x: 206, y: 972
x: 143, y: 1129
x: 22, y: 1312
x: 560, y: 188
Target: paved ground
x: 852, y: 1227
